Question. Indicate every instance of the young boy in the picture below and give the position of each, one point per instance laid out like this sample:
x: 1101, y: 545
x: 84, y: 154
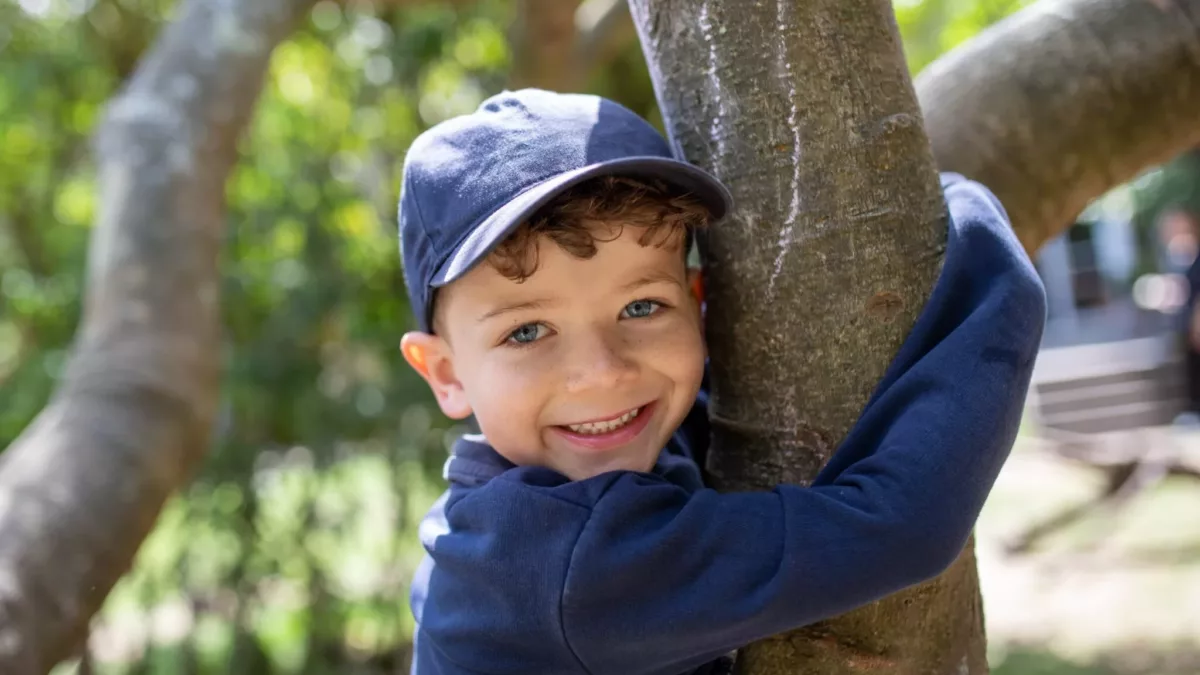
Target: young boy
x: 544, y: 240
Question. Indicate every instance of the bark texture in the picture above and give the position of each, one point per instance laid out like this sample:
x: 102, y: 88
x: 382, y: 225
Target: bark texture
x: 807, y: 112
x: 82, y: 486
x: 1064, y: 100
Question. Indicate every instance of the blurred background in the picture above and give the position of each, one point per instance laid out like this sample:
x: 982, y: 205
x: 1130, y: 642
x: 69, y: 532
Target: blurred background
x: 292, y: 550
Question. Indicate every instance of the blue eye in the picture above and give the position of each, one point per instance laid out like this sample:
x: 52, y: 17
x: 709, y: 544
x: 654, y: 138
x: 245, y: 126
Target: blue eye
x: 527, y: 333
x: 641, y: 308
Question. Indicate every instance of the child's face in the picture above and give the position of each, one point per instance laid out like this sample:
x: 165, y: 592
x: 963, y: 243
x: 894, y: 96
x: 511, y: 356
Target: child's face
x: 614, y: 343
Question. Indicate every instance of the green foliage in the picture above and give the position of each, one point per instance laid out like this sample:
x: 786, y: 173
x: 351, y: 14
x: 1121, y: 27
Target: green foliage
x: 933, y: 27
x: 294, y: 546
x: 1032, y: 662
x: 1174, y: 186
x: 298, y: 570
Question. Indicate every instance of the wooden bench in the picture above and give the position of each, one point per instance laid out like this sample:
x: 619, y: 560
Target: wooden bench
x: 1111, y: 406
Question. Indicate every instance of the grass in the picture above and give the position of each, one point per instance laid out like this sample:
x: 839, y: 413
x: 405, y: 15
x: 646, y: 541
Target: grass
x: 1114, y: 594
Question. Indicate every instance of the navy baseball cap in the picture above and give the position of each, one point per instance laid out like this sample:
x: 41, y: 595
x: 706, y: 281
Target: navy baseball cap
x: 471, y: 180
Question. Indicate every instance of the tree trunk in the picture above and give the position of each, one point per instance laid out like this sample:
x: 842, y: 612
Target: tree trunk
x: 81, y: 487
x: 807, y: 112
x: 1064, y: 100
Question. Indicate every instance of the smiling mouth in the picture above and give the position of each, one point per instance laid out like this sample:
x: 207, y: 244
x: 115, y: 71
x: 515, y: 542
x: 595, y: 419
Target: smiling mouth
x: 606, y: 426
x: 609, y: 434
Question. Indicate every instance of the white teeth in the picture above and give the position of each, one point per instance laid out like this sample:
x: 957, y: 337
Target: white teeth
x: 605, y: 427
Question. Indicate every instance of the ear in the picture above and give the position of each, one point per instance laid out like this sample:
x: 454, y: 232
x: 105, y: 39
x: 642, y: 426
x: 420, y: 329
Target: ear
x: 695, y: 277
x: 431, y: 357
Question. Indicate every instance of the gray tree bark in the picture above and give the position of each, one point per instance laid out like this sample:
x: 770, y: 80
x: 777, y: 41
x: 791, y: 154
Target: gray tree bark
x: 82, y: 486
x: 1065, y: 99
x: 807, y: 112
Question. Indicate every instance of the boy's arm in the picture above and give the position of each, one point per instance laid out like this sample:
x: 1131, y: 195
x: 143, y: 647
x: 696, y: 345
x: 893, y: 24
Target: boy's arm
x: 661, y: 579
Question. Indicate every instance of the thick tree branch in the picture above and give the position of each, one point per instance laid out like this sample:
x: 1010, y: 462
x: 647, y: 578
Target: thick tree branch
x: 1064, y: 100
x: 82, y: 486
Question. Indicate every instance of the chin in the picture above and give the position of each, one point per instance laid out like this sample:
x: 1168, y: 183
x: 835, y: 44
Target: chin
x: 584, y: 470
x: 631, y: 464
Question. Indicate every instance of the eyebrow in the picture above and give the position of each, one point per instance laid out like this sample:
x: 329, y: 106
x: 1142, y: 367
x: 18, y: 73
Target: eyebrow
x: 655, y: 277
x: 505, y: 309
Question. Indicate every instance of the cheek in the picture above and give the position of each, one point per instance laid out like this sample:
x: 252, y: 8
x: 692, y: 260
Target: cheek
x: 505, y: 391
x: 512, y: 372
x: 677, y: 349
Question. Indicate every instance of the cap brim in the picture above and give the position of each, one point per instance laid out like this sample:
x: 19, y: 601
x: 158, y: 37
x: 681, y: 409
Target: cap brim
x: 488, y: 234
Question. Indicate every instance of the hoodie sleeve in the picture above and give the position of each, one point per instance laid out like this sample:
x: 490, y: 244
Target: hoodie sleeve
x: 662, y: 579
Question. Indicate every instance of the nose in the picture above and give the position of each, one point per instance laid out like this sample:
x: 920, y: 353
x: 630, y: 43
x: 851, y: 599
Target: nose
x: 600, y: 360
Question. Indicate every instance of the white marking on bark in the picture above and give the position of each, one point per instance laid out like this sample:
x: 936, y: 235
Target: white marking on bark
x: 789, y: 223
x: 784, y: 244
x: 963, y: 667
x: 715, y: 90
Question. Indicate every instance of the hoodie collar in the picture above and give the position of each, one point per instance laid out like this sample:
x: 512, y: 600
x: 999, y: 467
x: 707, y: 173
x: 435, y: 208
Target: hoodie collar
x: 473, y: 462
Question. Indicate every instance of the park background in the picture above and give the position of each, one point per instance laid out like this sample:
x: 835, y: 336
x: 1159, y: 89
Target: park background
x: 292, y: 550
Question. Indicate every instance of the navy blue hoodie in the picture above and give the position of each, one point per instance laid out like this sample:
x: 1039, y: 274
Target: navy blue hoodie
x: 632, y: 573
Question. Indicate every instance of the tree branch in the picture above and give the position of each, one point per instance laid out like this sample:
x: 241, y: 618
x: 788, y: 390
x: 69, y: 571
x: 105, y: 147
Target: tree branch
x: 1064, y: 100
x: 543, y: 38
x: 602, y: 29
x: 556, y: 45
x: 82, y: 486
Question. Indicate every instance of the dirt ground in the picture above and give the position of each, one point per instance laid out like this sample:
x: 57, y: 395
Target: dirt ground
x: 1112, y: 595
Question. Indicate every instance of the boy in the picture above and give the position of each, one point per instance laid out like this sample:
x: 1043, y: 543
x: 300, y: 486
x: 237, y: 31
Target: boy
x: 544, y: 240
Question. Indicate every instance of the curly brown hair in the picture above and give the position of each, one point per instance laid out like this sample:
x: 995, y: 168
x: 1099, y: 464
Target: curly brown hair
x: 598, y: 210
